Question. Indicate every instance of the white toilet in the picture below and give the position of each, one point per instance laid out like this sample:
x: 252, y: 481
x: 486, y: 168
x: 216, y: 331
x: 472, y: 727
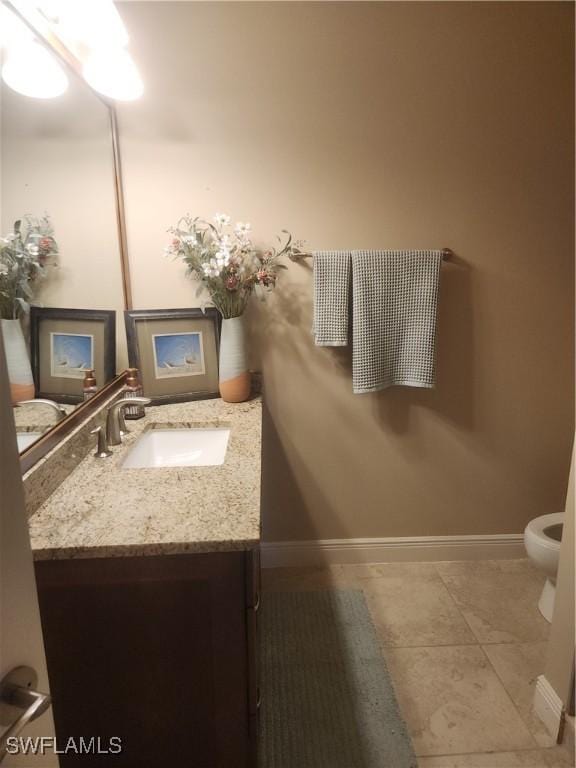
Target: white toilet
x: 542, y: 541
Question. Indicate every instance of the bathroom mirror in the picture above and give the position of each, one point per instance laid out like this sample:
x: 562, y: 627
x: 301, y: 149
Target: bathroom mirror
x: 59, y: 159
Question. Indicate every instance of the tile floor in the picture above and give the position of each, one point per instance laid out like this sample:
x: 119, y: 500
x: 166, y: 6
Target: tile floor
x: 464, y: 643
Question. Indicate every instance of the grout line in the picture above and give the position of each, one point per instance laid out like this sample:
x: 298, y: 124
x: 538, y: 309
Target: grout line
x: 429, y: 647
x: 460, y: 643
x: 503, y: 684
x: 449, y: 644
x: 480, y: 642
x: 515, y: 642
x: 486, y: 642
x: 528, y: 750
x: 460, y: 611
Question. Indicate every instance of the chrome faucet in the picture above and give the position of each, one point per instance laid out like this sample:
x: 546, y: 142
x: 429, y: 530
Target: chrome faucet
x: 41, y: 401
x: 115, y: 425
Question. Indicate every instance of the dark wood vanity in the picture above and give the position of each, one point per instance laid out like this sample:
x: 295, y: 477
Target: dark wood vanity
x: 160, y: 651
x: 148, y: 585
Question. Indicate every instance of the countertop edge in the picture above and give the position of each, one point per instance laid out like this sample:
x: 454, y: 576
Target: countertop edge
x: 143, y: 550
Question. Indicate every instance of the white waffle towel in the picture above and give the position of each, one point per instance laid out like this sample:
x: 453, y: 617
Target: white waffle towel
x: 395, y: 296
x: 331, y: 296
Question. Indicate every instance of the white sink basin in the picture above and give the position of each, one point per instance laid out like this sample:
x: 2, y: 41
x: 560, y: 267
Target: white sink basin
x: 202, y: 447
x: 26, y: 438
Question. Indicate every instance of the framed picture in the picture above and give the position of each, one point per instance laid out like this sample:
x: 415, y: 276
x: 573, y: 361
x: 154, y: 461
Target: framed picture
x: 65, y: 343
x: 176, y: 352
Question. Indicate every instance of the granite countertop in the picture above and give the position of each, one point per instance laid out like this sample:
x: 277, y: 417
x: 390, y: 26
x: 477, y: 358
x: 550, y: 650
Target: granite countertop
x: 37, y: 418
x: 102, y: 510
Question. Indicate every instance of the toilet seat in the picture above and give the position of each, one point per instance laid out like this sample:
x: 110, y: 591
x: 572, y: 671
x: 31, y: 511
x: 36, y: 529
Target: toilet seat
x: 535, y: 530
x: 544, y: 551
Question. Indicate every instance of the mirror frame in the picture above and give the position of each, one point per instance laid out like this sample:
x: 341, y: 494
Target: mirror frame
x: 43, y: 32
x: 50, y: 439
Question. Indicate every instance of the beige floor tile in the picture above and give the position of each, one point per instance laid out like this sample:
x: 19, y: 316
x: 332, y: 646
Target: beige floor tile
x: 453, y: 702
x: 538, y: 758
x: 360, y: 573
x: 462, y: 567
x: 287, y: 579
x: 499, y: 599
x: 518, y: 665
x: 339, y: 576
x: 412, y: 607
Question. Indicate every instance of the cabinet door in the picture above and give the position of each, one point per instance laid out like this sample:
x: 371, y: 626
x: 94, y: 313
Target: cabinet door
x: 253, y: 601
x: 151, y: 650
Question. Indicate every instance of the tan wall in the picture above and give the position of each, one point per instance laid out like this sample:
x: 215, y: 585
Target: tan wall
x: 379, y: 125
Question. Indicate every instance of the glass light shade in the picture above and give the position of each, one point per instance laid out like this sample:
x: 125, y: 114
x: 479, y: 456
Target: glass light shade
x: 114, y: 74
x: 94, y: 23
x: 32, y: 71
x: 13, y: 31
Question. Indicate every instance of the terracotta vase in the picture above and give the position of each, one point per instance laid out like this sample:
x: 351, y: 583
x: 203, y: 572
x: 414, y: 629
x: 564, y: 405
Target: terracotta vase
x: 233, y: 370
x: 18, y: 362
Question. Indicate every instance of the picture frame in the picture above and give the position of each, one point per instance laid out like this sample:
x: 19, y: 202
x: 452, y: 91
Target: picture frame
x: 176, y: 352
x: 64, y: 343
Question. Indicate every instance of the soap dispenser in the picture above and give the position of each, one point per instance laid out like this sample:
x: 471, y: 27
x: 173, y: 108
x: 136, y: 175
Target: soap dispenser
x: 133, y: 388
x: 89, y: 386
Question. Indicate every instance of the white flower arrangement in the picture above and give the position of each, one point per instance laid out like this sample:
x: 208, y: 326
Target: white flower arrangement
x: 226, y: 261
x: 26, y: 254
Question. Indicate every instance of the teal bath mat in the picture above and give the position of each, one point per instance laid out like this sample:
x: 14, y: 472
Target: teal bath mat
x: 327, y: 697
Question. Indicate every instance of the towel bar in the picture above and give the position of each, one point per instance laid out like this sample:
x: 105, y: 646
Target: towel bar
x: 447, y: 254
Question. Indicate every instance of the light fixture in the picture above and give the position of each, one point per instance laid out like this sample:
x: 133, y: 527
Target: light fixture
x: 92, y: 24
x: 32, y: 71
x: 92, y: 30
x: 114, y: 74
x: 12, y: 30
x: 28, y: 68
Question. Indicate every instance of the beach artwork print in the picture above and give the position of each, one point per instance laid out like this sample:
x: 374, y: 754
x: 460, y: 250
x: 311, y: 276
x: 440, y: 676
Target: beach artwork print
x: 71, y: 355
x: 178, y: 354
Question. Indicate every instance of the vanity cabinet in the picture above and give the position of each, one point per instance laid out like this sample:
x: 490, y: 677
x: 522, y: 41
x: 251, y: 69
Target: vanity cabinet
x: 160, y: 651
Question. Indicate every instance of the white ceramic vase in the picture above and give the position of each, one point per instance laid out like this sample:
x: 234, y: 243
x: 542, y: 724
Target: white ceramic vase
x: 18, y: 362
x: 233, y: 369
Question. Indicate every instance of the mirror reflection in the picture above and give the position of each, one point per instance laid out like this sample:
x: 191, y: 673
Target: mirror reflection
x: 61, y: 293
x: 33, y: 417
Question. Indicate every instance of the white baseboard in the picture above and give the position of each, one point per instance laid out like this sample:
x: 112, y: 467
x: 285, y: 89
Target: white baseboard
x: 548, y: 706
x: 391, y: 550
x: 567, y: 739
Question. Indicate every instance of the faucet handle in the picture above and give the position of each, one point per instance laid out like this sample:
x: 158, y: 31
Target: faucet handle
x: 102, y: 452
x: 125, y: 404
x: 114, y: 424
x: 122, y: 426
